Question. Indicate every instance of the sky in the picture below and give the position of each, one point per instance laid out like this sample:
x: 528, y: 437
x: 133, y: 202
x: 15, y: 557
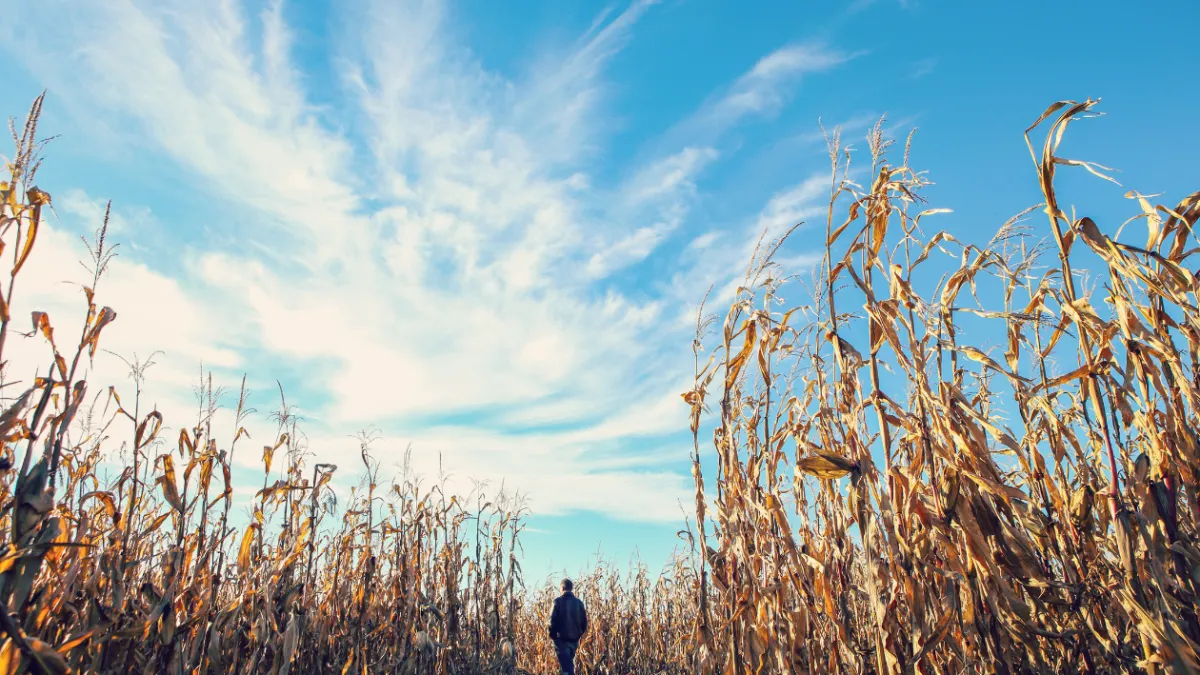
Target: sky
x: 481, y: 230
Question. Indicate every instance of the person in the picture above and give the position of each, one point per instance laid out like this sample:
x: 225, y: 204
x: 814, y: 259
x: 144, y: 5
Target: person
x: 568, y: 623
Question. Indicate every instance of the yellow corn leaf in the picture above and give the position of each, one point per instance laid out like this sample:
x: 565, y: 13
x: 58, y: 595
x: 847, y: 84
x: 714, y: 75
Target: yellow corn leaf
x: 10, y: 658
x: 1082, y: 371
x: 31, y: 232
x: 979, y: 357
x: 246, y: 547
x: 75, y: 641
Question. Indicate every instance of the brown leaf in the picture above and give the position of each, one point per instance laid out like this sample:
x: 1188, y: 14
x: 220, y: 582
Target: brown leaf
x: 167, y: 480
x: 105, y: 317
x: 140, y: 437
x: 41, y: 323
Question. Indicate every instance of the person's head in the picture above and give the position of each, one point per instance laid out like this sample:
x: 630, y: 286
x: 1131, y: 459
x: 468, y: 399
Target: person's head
x: 567, y: 586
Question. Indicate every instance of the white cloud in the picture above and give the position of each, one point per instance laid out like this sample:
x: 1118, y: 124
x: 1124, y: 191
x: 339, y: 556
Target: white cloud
x: 664, y: 190
x: 760, y: 92
x: 797, y: 204
x: 923, y: 67
x: 459, y: 268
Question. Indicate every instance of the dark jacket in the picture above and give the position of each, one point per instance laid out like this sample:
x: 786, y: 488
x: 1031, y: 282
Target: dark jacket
x: 568, y: 620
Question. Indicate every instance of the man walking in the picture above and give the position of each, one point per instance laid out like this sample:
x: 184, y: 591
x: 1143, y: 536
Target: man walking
x: 568, y: 623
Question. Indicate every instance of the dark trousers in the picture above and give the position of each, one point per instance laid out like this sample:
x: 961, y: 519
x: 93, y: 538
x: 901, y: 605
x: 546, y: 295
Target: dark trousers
x: 566, y: 655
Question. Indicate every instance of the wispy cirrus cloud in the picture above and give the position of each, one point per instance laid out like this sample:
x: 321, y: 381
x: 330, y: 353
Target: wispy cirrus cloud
x: 923, y: 67
x: 443, y: 258
x: 761, y: 92
x: 219, y: 100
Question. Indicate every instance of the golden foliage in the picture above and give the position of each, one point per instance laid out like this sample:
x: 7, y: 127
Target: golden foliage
x: 939, y: 539
x: 874, y: 510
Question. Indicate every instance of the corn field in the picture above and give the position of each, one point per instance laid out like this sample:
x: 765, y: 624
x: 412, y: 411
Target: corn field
x: 873, y: 509
x: 890, y: 499
x: 148, y: 573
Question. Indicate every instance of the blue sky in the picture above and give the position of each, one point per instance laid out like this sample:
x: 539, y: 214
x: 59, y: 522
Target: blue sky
x: 482, y: 228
